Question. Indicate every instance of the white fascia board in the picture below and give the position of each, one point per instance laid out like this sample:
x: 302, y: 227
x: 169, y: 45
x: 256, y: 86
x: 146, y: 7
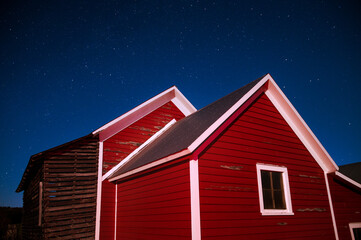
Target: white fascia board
x: 125, y: 120
x: 227, y: 114
x: 152, y: 164
x: 182, y: 103
x: 299, y: 126
x: 344, y: 177
x: 137, y: 150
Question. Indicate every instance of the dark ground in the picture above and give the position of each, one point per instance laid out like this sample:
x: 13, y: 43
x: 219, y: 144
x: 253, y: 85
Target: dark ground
x: 10, y: 223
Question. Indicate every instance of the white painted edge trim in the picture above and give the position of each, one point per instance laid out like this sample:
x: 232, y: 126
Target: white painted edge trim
x: 152, y: 164
x: 99, y: 192
x: 183, y: 103
x: 331, y: 206
x: 115, y: 211
x: 195, y: 202
x: 352, y: 226
x: 286, y: 189
x: 132, y: 154
x: 227, y: 114
x: 177, y: 94
x: 181, y: 107
x: 297, y: 129
x: 344, y: 177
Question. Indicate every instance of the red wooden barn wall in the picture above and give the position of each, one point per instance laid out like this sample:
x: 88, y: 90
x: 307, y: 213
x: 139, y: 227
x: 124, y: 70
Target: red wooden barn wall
x: 346, y: 204
x: 156, y: 205
x: 228, y: 181
x: 107, y: 211
x: 126, y: 141
x: 120, y: 146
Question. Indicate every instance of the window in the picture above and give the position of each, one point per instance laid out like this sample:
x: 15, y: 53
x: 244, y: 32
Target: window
x: 355, y: 229
x: 274, y: 190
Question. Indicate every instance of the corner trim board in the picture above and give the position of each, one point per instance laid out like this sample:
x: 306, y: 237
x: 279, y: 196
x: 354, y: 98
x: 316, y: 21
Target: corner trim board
x: 99, y: 192
x: 195, y: 203
x: 115, y: 211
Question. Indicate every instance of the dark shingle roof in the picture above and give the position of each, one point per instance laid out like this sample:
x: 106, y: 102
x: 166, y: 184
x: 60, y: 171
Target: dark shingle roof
x: 352, y: 171
x: 183, y: 133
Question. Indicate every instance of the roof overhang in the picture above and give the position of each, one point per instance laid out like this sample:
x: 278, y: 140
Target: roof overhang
x: 125, y: 120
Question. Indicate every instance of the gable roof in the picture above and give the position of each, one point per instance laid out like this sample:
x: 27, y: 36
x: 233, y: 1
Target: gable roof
x: 182, y: 134
x: 189, y: 133
x: 123, y: 121
x: 351, y: 173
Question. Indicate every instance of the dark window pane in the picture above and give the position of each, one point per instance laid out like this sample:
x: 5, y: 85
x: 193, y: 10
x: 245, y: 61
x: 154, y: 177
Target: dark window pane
x: 279, y: 200
x: 267, y: 199
x: 266, y: 183
x: 277, y: 180
x: 357, y: 233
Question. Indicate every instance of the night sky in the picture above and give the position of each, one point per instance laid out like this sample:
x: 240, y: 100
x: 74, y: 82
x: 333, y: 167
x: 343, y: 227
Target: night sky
x: 69, y: 67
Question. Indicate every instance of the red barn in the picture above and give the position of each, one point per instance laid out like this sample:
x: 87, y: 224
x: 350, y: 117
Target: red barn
x: 244, y: 167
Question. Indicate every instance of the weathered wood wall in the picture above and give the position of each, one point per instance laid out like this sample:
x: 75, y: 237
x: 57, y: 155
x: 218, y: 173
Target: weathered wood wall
x: 156, y: 204
x: 228, y: 181
x: 70, y: 190
x: 30, y: 228
x: 346, y: 205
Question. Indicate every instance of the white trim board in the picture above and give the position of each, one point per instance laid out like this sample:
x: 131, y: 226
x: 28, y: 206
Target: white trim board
x: 195, y: 202
x: 344, y: 177
x: 99, y: 192
x: 137, y: 150
x: 152, y: 164
x: 331, y: 207
x: 118, y: 124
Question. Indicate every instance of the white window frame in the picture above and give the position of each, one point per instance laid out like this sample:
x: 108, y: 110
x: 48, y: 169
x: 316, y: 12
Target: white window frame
x: 286, y: 190
x: 352, y: 226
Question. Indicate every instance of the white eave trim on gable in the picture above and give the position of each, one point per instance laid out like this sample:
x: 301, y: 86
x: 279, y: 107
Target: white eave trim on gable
x: 137, y: 150
x: 125, y: 120
x: 299, y: 126
x: 344, y: 177
x: 227, y: 114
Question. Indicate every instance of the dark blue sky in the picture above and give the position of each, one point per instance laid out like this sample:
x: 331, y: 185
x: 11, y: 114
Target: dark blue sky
x: 69, y: 67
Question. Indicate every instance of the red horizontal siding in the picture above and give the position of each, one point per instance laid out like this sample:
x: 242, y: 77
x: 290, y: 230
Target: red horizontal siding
x: 346, y: 205
x: 107, y: 212
x: 228, y: 181
x: 120, y: 146
x: 155, y: 205
x: 123, y: 143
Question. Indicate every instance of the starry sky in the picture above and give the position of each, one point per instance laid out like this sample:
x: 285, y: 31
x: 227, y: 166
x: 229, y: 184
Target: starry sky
x: 69, y: 67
